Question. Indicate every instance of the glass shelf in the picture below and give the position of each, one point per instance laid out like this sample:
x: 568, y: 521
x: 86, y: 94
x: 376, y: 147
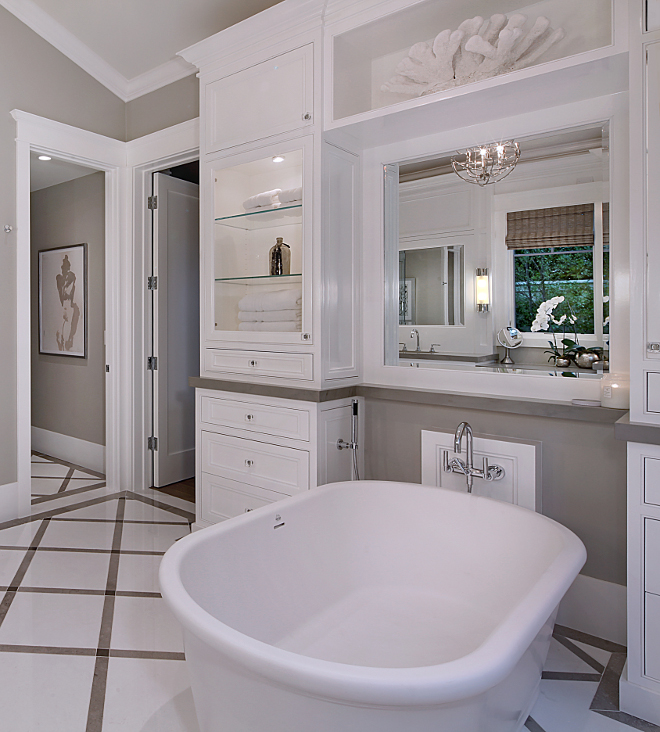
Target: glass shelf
x: 266, y: 218
x: 262, y: 279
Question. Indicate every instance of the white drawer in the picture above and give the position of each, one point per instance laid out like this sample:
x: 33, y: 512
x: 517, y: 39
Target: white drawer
x: 652, y: 636
x: 222, y: 499
x: 262, y: 418
x: 281, y: 469
x: 652, y: 556
x: 260, y: 363
x: 652, y: 480
x: 653, y: 392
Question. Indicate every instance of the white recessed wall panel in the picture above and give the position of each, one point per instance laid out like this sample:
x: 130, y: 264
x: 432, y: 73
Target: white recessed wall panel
x: 652, y: 480
x: 653, y: 392
x: 521, y: 461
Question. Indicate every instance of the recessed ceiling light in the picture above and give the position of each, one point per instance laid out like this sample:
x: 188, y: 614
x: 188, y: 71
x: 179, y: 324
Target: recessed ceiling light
x: 278, y: 159
x: 44, y: 157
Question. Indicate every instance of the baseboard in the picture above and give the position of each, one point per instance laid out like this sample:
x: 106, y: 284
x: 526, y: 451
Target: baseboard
x: 638, y: 701
x: 83, y: 453
x: 595, y: 607
x: 9, y: 501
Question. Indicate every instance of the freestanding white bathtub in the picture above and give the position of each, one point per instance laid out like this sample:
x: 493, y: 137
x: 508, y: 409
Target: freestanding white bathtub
x: 370, y: 607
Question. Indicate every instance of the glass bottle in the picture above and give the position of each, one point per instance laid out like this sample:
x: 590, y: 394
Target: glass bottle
x: 280, y: 258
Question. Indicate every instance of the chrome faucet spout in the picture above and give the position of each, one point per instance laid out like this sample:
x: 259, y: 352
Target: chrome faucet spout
x: 464, y: 428
x: 415, y: 332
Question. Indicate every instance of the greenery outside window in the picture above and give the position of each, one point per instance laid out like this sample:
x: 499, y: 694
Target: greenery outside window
x: 561, y: 251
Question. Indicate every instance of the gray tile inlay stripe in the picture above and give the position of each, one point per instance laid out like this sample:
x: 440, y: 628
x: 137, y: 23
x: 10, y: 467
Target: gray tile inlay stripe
x: 533, y: 726
x: 164, y: 506
x: 85, y: 550
x: 583, y: 655
x: 570, y: 676
x: 606, y: 698
x: 631, y: 721
x: 153, y: 655
x: 97, y: 698
x: 48, y: 650
x: 72, y: 492
x: 66, y: 480
x: 591, y: 640
x: 80, y: 468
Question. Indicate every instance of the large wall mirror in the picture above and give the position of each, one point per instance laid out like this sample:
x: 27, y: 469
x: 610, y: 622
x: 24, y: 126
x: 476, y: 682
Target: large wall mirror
x: 464, y: 261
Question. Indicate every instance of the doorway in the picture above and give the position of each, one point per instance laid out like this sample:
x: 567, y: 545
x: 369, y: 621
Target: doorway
x: 67, y: 283
x: 173, y: 284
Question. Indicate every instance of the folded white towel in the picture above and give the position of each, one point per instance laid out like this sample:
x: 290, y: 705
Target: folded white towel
x: 269, y: 315
x: 290, y: 195
x: 274, y: 300
x: 282, y: 326
x: 267, y: 199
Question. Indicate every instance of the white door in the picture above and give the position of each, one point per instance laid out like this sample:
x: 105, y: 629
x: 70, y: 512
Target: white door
x: 175, y: 326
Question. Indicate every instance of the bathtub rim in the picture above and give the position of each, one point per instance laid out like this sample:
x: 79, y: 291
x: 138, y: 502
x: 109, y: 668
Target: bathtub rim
x: 424, y: 686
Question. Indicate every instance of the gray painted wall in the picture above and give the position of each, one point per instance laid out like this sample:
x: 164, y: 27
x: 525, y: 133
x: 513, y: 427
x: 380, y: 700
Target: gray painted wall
x: 584, y: 468
x: 68, y: 394
x: 36, y: 78
x: 165, y: 107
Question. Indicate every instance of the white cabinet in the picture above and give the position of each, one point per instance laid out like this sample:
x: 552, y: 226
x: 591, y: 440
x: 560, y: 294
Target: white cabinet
x: 640, y: 686
x: 253, y: 450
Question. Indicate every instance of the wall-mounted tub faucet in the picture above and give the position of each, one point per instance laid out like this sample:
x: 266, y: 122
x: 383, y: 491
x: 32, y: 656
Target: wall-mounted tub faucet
x: 466, y: 467
x: 415, y: 332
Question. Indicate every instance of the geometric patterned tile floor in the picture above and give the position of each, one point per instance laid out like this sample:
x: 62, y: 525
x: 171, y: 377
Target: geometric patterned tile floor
x: 87, y: 644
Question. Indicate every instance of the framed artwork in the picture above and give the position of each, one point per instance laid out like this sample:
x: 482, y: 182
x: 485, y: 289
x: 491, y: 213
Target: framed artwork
x: 63, y: 301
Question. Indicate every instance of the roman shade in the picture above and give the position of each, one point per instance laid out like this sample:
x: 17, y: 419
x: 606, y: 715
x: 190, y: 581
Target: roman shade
x: 563, y: 226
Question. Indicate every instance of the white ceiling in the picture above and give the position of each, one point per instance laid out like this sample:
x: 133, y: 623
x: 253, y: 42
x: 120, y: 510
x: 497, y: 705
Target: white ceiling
x: 46, y: 173
x: 131, y: 45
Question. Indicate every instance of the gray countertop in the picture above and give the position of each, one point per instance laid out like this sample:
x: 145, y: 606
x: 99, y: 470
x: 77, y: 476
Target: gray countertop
x: 627, y: 431
x: 530, y: 407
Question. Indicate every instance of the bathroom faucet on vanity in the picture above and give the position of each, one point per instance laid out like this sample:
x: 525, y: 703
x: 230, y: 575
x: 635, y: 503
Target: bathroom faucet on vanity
x: 466, y: 467
x: 415, y: 332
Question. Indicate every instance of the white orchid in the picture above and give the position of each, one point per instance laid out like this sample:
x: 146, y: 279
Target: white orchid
x: 544, y: 314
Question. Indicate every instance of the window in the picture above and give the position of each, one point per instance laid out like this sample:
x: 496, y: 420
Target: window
x: 561, y: 251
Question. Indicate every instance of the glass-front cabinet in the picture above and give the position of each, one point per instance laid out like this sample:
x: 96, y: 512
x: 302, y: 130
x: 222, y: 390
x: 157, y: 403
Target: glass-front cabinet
x: 257, y: 271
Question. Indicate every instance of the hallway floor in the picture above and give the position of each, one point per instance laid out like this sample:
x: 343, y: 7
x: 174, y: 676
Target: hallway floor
x: 87, y: 644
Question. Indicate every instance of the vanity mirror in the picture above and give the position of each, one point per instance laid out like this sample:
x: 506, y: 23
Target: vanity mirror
x: 468, y: 261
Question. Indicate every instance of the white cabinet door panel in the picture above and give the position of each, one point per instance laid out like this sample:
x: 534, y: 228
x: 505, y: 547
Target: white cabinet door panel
x: 652, y: 480
x: 652, y: 556
x: 267, y: 99
x: 276, y: 468
x: 260, y: 418
x: 652, y: 636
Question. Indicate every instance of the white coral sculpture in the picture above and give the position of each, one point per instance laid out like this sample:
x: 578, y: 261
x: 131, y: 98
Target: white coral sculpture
x: 477, y: 50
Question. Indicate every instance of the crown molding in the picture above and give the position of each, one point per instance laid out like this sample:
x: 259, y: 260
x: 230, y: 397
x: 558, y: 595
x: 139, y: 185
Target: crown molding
x: 74, y: 49
x: 282, y: 21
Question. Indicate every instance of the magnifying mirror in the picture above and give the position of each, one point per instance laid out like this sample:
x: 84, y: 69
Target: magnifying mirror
x: 509, y: 338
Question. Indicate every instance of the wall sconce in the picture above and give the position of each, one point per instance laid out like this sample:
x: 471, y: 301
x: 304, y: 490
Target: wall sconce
x: 483, y: 291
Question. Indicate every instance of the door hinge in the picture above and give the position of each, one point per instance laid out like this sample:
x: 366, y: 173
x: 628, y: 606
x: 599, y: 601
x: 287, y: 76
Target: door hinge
x: 152, y: 203
x: 152, y: 443
x: 152, y: 283
x: 152, y: 363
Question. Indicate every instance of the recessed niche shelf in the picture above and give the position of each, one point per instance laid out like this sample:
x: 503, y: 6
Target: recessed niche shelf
x: 264, y: 218
x: 365, y: 57
x: 262, y: 279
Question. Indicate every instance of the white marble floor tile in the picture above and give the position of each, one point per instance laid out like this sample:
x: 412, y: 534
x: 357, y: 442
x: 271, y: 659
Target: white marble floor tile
x: 563, y: 706
x: 83, y: 482
x: 597, y: 653
x: 138, y: 573
x: 39, y: 459
x: 148, y: 696
x: 561, y: 659
x: 72, y: 570
x: 139, y: 511
x: 151, y: 537
x: 10, y: 561
x: 46, y: 486
x: 78, y: 534
x: 103, y: 510
x: 45, y: 693
x: 49, y: 470
x: 20, y: 535
x: 82, y: 473
x: 145, y: 624
x: 63, y: 621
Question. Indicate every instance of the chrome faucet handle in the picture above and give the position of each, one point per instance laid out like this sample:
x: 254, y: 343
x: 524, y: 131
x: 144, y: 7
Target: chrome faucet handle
x: 403, y: 347
x: 433, y: 345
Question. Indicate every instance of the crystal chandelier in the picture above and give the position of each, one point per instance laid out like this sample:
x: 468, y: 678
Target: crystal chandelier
x: 486, y: 164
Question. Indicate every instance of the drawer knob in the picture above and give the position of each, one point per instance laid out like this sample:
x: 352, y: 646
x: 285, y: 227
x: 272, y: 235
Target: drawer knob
x: 249, y: 463
x: 307, y: 116
x: 247, y: 510
x: 249, y: 417
x: 252, y: 362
